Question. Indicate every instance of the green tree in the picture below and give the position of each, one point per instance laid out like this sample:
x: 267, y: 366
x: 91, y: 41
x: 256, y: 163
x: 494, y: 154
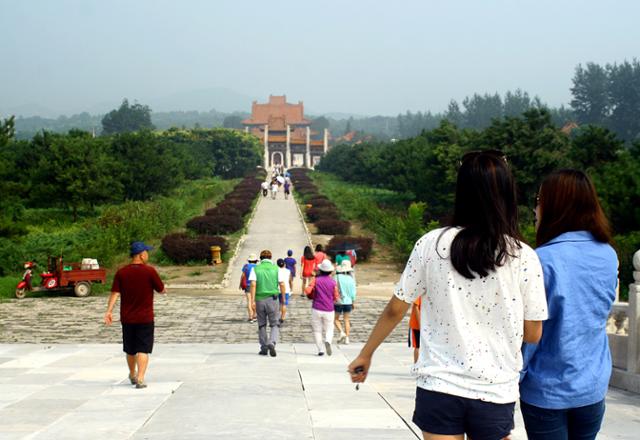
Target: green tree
x: 83, y: 175
x: 145, y: 165
x: 232, y: 121
x: 624, y: 96
x: 590, y: 92
x: 127, y: 118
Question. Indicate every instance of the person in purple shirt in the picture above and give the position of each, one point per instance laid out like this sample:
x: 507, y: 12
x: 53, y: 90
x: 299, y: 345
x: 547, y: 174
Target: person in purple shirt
x: 290, y: 263
x: 325, y: 294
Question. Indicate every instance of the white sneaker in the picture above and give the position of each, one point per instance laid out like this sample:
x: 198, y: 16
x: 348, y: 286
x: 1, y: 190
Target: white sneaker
x: 346, y: 340
x: 341, y: 338
x: 327, y: 346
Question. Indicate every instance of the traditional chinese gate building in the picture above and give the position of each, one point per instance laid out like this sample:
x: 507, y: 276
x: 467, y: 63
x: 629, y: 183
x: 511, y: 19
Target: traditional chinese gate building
x: 286, y: 134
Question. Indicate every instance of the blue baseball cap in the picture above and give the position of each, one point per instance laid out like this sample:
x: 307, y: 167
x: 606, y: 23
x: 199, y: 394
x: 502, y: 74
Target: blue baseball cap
x: 289, y: 252
x: 138, y: 247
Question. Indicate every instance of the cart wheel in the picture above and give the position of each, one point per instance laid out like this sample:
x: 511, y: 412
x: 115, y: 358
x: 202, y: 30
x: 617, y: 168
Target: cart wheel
x: 21, y: 293
x: 82, y: 289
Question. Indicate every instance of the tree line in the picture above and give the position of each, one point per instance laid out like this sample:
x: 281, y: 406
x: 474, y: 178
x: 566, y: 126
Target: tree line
x: 426, y: 165
x: 77, y: 170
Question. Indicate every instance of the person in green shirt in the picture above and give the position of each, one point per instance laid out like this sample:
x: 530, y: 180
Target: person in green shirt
x: 265, y: 290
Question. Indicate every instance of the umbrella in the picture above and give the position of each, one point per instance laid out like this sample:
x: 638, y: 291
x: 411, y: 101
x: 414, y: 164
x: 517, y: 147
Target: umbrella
x: 280, y: 179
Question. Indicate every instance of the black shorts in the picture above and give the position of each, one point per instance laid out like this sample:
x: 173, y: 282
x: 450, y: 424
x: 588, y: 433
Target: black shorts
x: 137, y: 338
x: 343, y: 308
x: 445, y: 414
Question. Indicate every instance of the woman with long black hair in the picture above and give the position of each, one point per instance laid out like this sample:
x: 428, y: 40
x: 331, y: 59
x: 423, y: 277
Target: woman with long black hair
x: 482, y: 294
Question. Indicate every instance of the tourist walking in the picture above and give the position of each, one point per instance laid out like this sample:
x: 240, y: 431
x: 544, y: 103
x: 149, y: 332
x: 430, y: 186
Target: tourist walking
x: 414, y: 328
x: 290, y: 263
x: 346, y: 302
x: 482, y: 295
x: 567, y: 373
x: 265, y: 289
x: 308, y: 266
x: 134, y: 284
x: 274, y: 189
x: 320, y: 255
x: 265, y: 188
x: 287, y: 189
x: 245, y: 286
x: 284, y: 277
x: 324, y: 292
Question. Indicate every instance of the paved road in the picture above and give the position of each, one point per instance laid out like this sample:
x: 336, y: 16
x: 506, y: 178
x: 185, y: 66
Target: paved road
x: 276, y: 226
x: 179, y: 319
x: 221, y: 391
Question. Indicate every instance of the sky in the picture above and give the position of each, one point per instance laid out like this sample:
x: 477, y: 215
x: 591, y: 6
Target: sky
x: 358, y: 57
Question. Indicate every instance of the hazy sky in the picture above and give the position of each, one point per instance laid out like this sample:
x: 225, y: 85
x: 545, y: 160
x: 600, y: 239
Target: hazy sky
x: 364, y: 57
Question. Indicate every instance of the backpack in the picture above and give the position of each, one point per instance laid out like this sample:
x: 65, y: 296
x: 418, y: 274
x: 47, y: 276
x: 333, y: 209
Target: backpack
x: 243, y: 279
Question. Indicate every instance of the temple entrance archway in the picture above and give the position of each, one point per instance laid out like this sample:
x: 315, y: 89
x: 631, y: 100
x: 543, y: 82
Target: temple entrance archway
x: 277, y: 158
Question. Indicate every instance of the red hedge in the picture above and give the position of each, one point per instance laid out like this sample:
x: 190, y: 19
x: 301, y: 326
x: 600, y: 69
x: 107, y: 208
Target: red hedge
x: 333, y: 227
x: 182, y: 248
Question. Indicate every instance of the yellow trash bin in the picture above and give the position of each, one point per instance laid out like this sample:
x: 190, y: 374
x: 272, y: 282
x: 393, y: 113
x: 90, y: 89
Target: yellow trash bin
x: 216, y: 257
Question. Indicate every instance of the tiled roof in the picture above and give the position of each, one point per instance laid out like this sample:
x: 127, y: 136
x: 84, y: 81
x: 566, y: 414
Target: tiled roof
x: 277, y: 107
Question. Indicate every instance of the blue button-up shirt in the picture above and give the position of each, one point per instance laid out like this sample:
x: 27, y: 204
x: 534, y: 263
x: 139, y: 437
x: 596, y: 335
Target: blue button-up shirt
x: 571, y: 365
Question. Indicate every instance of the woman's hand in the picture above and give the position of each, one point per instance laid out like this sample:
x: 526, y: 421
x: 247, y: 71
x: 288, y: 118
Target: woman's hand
x: 359, y: 369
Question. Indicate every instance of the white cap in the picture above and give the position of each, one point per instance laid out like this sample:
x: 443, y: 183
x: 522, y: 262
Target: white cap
x: 325, y: 266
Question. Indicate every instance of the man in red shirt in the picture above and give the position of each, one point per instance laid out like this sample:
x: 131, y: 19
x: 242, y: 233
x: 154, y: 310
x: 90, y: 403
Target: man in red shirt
x: 135, y: 284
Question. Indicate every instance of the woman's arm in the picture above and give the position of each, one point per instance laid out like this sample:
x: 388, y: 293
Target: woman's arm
x: 389, y: 319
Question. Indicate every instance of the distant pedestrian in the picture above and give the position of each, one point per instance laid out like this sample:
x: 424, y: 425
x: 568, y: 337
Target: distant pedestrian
x: 134, y: 284
x: 324, y: 292
x: 290, y: 263
x: 414, y: 328
x: 265, y: 188
x: 320, y: 255
x: 287, y: 189
x: 265, y: 289
x: 274, y: 189
x: 284, y: 277
x: 346, y: 302
x: 308, y: 267
x: 245, y: 286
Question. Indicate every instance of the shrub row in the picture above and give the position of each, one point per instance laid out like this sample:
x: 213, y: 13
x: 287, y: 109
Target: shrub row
x: 325, y: 215
x: 225, y: 218
x: 182, y: 247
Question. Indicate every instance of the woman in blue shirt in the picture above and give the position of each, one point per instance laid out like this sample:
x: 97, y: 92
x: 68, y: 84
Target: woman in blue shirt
x: 567, y: 373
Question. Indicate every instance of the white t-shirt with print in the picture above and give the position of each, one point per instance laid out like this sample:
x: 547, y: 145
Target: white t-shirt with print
x: 284, y: 275
x: 471, y: 330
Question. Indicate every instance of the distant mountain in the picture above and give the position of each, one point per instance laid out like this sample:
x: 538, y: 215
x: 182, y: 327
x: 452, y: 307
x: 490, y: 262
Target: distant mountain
x: 220, y: 99
x: 28, y: 109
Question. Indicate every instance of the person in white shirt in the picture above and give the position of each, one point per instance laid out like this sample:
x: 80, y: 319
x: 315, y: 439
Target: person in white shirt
x: 284, y: 277
x: 265, y: 188
x: 274, y: 189
x: 482, y: 296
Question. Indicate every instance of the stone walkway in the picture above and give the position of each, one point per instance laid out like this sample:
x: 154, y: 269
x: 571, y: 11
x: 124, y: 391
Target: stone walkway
x: 179, y: 319
x: 276, y: 226
x: 222, y: 391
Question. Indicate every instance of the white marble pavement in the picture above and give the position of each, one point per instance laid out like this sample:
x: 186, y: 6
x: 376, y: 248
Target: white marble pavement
x: 221, y: 391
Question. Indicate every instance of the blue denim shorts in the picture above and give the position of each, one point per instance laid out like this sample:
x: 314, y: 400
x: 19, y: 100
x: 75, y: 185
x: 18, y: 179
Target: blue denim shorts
x: 445, y: 414
x: 343, y: 308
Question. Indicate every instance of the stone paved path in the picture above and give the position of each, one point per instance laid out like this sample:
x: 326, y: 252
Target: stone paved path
x: 179, y: 319
x: 222, y: 391
x: 276, y: 226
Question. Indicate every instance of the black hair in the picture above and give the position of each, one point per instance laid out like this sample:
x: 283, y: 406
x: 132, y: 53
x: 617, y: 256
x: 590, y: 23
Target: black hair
x: 486, y: 210
x: 308, y: 253
x: 280, y: 262
x: 319, y: 248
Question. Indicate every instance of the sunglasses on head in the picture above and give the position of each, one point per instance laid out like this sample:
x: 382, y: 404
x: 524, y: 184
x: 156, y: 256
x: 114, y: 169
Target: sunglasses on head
x: 473, y: 154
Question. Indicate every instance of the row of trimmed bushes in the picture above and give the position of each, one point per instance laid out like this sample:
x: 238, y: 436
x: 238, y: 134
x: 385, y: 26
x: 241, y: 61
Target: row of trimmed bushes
x: 205, y: 231
x: 324, y: 214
